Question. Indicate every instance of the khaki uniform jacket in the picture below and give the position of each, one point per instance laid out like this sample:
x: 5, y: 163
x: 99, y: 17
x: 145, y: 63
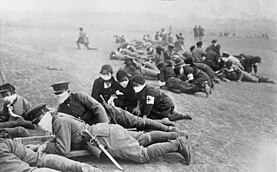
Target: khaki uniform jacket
x: 118, y: 142
x: 20, y: 107
x: 85, y: 107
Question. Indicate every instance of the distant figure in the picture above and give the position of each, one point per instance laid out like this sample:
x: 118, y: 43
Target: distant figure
x: 195, y: 32
x: 170, y: 38
x: 234, y: 73
x: 157, y: 36
x: 83, y: 39
x: 201, y: 32
x: 163, y: 36
x: 120, y: 39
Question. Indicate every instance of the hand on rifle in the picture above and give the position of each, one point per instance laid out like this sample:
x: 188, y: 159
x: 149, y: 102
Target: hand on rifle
x: 136, y: 111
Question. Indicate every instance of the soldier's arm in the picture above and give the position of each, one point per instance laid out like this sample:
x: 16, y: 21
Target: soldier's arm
x: 93, y: 105
x: 62, y: 142
x: 150, y: 100
x: 26, y: 107
x: 95, y: 92
x: 15, y: 156
x: 240, y: 73
x: 4, y: 116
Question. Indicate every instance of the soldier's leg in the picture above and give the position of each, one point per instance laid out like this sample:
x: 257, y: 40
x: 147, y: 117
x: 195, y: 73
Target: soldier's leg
x: 166, y: 121
x: 264, y: 79
x: 128, y: 120
x: 249, y: 77
x: 18, y: 132
x: 190, y: 89
x: 19, y: 122
x: 44, y: 170
x: 64, y: 164
x: 78, y: 44
x: 174, y: 115
x: 146, y: 139
x: 179, y: 145
x: 87, y: 46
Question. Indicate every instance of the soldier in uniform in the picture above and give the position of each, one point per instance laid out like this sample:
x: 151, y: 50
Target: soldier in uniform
x: 17, y: 157
x: 193, y: 75
x: 168, y: 78
x: 195, y: 32
x: 14, y: 112
x: 249, y: 62
x: 154, y: 103
x: 79, y: 105
x: 84, y: 107
x: 83, y: 39
x: 214, y: 47
x: 199, y: 54
x: 234, y: 73
x: 129, y: 145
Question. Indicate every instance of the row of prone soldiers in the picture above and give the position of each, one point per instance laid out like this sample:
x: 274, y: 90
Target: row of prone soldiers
x: 104, y: 116
x: 196, y: 67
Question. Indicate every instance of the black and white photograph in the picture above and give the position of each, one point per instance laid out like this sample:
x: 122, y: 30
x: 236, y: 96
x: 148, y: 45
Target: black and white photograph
x: 138, y: 85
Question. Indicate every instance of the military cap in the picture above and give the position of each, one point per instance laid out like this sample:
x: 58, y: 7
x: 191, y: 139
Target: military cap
x: 128, y: 58
x: 214, y: 41
x: 225, y: 54
x: 199, y: 43
x: 7, y: 87
x: 229, y: 64
x: 61, y: 86
x: 34, y: 114
x: 179, y: 61
x: 171, y: 45
x: 139, y: 79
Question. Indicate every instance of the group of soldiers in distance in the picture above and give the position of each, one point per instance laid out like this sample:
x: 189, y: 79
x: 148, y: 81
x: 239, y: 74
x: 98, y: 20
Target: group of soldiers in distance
x: 198, y: 32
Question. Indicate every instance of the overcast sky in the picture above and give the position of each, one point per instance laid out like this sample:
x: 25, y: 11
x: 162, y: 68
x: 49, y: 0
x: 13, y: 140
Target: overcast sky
x: 172, y: 8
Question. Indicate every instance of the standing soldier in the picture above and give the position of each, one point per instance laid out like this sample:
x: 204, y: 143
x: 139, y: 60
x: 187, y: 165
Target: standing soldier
x: 195, y: 32
x: 83, y: 39
x: 201, y: 32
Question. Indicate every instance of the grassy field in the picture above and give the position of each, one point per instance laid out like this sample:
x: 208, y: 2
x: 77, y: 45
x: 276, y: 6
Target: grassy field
x: 232, y: 130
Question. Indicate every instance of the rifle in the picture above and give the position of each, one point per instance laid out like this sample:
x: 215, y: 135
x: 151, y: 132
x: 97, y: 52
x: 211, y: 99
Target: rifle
x: 93, y: 140
x: 105, y: 104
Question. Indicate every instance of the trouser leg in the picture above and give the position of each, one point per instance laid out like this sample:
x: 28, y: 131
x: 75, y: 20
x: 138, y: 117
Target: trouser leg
x: 179, y: 145
x: 18, y: 132
x: 152, y: 137
x: 22, y: 123
x: 173, y: 116
x: 249, y: 77
x: 267, y: 80
x: 146, y: 123
x: 191, y: 89
x: 128, y: 120
x: 78, y: 45
x: 64, y: 164
x: 160, y: 149
x: 87, y: 46
x: 44, y: 170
